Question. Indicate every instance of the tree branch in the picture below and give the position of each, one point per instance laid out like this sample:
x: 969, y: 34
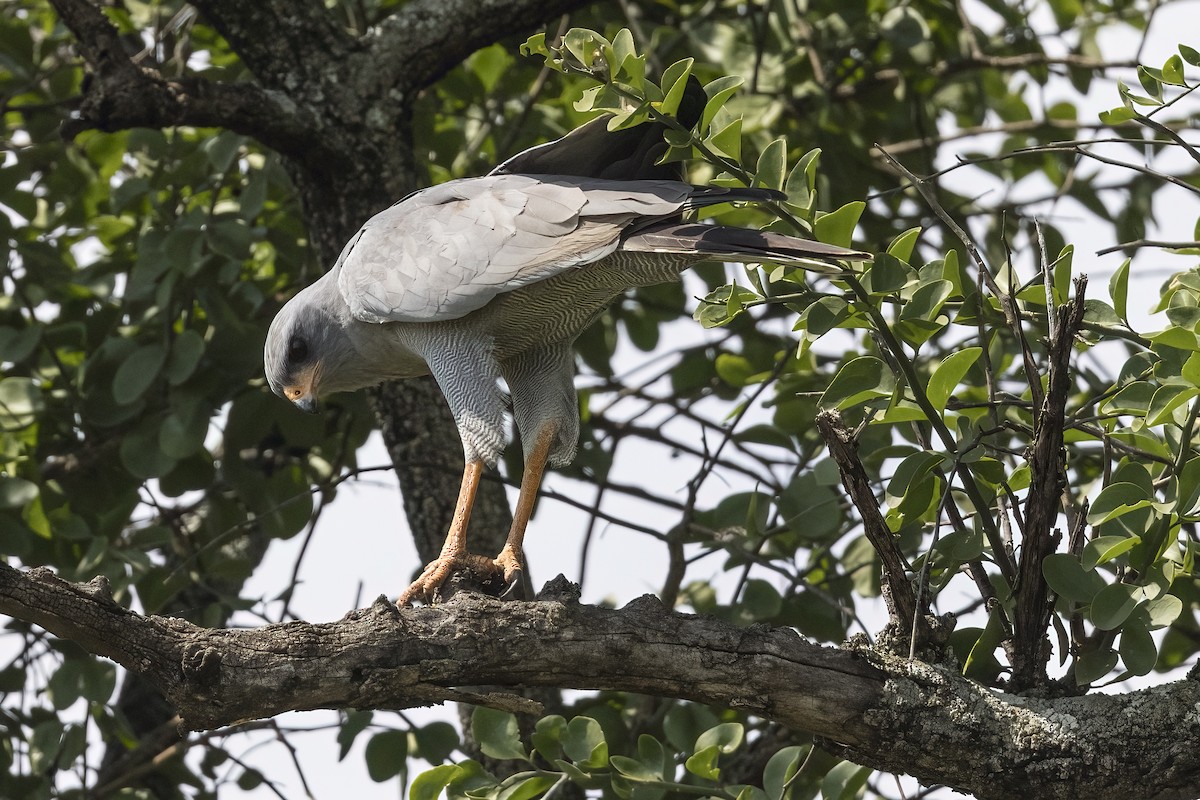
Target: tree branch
x: 1047, y: 467
x: 890, y: 713
x: 304, y: 46
x: 122, y: 95
x: 898, y: 594
x: 421, y: 41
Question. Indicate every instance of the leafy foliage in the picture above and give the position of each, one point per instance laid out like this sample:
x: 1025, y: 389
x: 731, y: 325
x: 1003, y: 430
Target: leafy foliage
x: 137, y: 441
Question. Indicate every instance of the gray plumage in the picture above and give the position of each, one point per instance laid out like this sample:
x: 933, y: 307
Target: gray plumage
x: 491, y: 277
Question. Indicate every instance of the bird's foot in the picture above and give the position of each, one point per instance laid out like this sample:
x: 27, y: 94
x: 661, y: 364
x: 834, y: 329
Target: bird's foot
x: 438, y: 571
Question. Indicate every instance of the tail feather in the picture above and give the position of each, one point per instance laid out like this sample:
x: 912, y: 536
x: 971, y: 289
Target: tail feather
x: 735, y: 244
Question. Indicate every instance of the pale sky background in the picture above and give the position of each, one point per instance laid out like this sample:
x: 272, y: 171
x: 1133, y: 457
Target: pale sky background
x: 361, y: 547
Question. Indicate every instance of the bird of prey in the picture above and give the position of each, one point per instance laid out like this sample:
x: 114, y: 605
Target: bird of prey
x: 494, y: 277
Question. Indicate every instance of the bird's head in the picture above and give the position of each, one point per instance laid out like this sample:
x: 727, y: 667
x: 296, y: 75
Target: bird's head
x: 307, y: 347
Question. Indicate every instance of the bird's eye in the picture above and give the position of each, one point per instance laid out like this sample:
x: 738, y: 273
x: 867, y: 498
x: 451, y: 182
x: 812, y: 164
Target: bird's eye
x: 297, y: 350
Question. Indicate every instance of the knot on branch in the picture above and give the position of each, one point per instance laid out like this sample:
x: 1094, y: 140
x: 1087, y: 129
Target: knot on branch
x: 648, y: 604
x: 201, y: 665
x: 561, y: 590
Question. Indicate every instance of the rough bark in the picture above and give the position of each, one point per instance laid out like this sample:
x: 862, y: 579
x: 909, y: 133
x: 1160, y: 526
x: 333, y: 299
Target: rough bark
x: 897, y: 588
x: 890, y: 713
x: 1030, y: 647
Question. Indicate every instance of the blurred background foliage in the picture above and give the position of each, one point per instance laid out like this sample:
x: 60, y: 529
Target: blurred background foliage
x: 139, y: 442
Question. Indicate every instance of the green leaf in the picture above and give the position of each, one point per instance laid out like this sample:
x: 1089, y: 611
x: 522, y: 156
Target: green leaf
x: 685, y: 722
x: 1163, y: 610
x: 634, y: 770
x: 1137, y: 648
x: 1063, y: 272
x: 1067, y: 577
x: 980, y: 663
x: 845, y: 781
x: 1190, y: 55
x: 137, y: 372
x: 719, y: 91
x: 802, y: 181
x: 524, y: 786
x: 1166, y: 400
x: 824, y: 315
x: 1118, y: 115
x: 547, y: 736
x: 1118, y: 289
x: 948, y: 374
x: 1112, y: 605
x: 584, y: 743
x: 781, y: 769
x: 837, y: 227
x: 1172, y: 71
x: 1103, y: 549
x: 888, y: 274
x: 356, y: 722
x: 727, y: 142
x: 927, y: 300
x: 674, y: 83
x: 386, y: 754
x: 186, y: 351
x: 859, y: 380
x: 703, y: 763
x: 772, y: 165
x: 736, y: 370
x: 429, y: 784
x: 249, y: 779
x: 902, y: 246
x: 727, y: 737
x: 586, y: 45
x: 435, y: 741
x: 20, y: 403
x: 65, y: 685
x: 183, y: 431
x: 1117, y: 499
x: 497, y: 734
x: 904, y: 27
x: 653, y: 755
x: 16, y: 492
x: 1151, y: 82
x: 99, y: 681
x: 17, y: 344
x: 141, y: 455
x: 761, y: 601
x: 1092, y: 666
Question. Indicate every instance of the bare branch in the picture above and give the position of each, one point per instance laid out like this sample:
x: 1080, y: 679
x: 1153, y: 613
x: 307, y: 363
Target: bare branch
x: 902, y: 604
x: 1047, y: 467
x: 1139, y: 243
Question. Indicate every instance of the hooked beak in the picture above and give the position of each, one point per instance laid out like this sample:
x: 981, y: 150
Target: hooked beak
x: 302, y: 394
x: 306, y: 403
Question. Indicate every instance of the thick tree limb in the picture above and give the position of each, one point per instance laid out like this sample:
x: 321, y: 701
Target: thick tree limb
x: 293, y: 45
x: 894, y: 714
x: 418, y: 44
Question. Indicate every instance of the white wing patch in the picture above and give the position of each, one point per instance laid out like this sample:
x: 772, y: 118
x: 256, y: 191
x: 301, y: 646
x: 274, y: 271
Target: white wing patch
x: 446, y: 251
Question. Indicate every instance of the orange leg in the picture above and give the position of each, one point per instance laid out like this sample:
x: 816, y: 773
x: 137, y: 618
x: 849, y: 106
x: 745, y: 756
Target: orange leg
x: 509, y: 559
x: 454, y: 553
x: 454, y: 550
